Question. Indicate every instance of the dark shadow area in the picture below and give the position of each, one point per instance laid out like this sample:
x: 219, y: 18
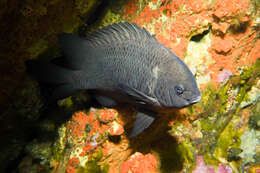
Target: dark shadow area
x: 158, y: 140
x: 93, y: 18
x: 166, y: 147
x: 13, y: 143
x: 170, y: 159
x: 239, y: 27
x: 98, y: 13
x: 114, y: 139
x: 26, y: 130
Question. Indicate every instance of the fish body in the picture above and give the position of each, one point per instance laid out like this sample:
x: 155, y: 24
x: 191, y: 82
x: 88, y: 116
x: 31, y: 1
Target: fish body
x: 121, y: 63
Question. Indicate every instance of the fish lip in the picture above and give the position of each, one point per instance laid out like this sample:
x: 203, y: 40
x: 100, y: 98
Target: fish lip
x: 196, y: 99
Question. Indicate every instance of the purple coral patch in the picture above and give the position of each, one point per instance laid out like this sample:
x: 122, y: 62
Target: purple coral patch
x: 201, y: 167
x: 224, y: 75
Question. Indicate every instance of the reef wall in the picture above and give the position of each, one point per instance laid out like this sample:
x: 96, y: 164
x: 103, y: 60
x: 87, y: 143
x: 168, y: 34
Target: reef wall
x: 218, y: 40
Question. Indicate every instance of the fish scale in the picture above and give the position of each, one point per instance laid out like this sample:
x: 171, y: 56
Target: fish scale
x: 117, y: 59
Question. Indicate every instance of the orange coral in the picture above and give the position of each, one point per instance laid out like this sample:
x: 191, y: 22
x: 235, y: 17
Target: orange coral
x: 107, y: 115
x: 255, y: 53
x: 139, y: 163
x: 198, y: 5
x: 87, y: 148
x: 220, y: 27
x: 225, y: 8
x: 131, y: 8
x: 116, y: 129
x: 222, y: 45
x: 233, y: 51
x: 86, y: 132
x: 72, y: 165
x: 78, y: 124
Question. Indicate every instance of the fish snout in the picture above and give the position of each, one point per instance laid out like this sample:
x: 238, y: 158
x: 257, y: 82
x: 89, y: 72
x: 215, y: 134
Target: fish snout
x: 195, y: 99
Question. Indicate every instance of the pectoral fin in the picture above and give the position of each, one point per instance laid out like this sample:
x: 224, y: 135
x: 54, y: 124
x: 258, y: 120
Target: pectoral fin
x: 143, y: 121
x: 138, y: 95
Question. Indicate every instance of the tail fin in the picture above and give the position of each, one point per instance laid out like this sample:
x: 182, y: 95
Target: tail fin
x: 58, y: 77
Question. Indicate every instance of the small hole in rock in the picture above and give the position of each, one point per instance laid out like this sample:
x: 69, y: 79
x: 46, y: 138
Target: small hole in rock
x: 115, y: 139
x: 198, y: 37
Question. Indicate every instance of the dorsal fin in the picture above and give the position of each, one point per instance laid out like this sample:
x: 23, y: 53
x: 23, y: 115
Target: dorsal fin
x: 76, y: 49
x: 118, y: 33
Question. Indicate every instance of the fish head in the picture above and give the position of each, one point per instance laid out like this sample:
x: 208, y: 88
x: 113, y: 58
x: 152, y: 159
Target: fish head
x: 176, y: 86
x: 182, y: 95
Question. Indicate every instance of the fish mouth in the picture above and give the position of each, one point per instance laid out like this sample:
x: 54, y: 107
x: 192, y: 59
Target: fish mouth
x: 195, y: 100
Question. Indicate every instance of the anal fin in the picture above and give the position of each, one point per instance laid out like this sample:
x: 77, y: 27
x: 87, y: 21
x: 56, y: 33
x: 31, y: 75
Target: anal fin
x: 105, y: 101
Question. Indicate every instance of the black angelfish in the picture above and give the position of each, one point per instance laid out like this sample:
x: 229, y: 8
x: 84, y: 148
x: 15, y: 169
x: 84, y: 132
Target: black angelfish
x: 122, y: 63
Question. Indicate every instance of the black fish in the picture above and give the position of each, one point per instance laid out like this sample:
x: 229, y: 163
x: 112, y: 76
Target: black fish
x: 121, y: 63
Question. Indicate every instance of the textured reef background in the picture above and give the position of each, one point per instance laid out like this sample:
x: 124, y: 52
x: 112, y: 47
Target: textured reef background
x: 219, y: 40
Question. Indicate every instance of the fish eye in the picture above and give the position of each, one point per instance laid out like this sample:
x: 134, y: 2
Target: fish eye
x: 178, y: 90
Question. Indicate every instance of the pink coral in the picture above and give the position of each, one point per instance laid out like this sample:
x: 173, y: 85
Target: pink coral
x: 224, y: 169
x: 224, y: 75
x: 202, y: 168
